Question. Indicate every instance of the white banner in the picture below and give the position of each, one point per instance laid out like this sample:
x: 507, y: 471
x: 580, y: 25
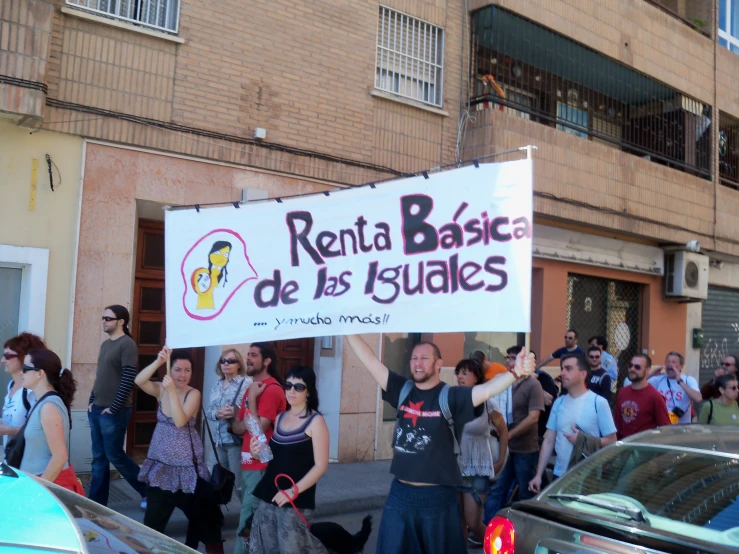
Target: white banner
x: 443, y: 254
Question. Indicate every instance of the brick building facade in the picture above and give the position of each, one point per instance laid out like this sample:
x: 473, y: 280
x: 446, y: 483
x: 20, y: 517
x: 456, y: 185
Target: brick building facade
x: 168, y: 96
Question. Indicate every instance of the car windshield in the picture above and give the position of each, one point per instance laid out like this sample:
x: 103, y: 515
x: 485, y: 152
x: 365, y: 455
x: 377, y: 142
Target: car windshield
x: 684, y: 492
x: 106, y: 531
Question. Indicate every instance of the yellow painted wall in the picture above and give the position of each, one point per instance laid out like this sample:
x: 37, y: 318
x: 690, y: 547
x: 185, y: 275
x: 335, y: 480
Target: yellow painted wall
x: 53, y: 224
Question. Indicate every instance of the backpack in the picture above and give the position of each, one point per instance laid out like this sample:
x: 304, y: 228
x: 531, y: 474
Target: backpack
x: 445, y: 410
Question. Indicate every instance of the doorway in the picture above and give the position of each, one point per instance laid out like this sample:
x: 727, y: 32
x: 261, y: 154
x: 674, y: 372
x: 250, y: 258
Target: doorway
x: 148, y: 324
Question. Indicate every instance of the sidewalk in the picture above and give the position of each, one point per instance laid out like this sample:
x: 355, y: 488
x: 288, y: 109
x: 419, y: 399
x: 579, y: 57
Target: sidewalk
x: 344, y: 489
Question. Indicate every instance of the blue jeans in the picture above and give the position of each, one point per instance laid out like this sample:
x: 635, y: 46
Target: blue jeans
x: 519, y: 469
x: 107, y: 432
x: 421, y: 520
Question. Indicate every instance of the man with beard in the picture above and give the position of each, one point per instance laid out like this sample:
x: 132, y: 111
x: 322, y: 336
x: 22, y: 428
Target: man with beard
x: 580, y: 410
x: 421, y: 514
x: 600, y: 381
x: 639, y: 407
x: 261, y: 364
x: 728, y: 367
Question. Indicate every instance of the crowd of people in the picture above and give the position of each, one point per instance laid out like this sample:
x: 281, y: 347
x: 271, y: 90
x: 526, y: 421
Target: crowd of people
x: 460, y: 453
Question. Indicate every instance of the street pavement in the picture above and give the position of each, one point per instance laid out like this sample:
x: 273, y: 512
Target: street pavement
x: 345, y: 495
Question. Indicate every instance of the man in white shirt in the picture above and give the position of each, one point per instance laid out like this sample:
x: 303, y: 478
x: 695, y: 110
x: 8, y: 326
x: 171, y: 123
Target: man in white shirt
x: 579, y: 410
x: 678, y: 390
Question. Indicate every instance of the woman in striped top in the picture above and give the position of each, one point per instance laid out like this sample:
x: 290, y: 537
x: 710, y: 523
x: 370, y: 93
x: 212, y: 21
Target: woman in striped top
x: 300, y: 448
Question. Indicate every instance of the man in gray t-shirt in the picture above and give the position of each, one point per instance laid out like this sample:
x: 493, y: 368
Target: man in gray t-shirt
x: 109, y: 407
x: 523, y: 441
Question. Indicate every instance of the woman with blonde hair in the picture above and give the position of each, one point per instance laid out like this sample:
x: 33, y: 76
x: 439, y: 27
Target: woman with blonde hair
x: 224, y: 401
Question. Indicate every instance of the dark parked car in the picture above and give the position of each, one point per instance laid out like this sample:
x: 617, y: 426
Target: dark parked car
x: 672, y: 490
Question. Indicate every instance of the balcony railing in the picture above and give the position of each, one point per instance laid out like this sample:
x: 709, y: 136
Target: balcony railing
x: 529, y: 71
x: 696, y: 14
x: 163, y: 15
x: 728, y: 151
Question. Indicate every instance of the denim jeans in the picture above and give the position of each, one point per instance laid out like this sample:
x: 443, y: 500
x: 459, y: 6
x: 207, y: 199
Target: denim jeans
x: 421, y: 520
x: 108, y: 432
x: 519, y: 469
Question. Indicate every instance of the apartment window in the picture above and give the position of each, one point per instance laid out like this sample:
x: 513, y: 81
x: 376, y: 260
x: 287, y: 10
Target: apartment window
x: 163, y: 15
x: 527, y: 70
x: 728, y: 24
x: 728, y: 151
x: 410, y: 56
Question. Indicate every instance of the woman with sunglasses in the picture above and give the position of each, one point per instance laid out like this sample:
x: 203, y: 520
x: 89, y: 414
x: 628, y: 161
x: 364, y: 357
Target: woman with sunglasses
x: 300, y: 449
x: 477, y: 456
x: 224, y: 402
x: 175, y: 459
x: 46, y: 433
x: 18, y: 401
x: 723, y: 410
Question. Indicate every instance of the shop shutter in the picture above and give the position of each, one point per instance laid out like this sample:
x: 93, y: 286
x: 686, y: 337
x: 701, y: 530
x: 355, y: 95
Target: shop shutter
x: 720, y: 329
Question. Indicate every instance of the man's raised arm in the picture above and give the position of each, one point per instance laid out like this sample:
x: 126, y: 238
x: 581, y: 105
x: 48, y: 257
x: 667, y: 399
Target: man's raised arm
x: 525, y: 364
x: 368, y: 358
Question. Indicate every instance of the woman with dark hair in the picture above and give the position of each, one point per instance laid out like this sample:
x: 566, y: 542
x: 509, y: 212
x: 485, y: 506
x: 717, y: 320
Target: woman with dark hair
x: 47, y: 430
x: 300, y: 449
x: 175, y: 458
x: 224, y: 402
x: 723, y: 410
x: 478, y: 466
x: 218, y: 260
x: 18, y: 400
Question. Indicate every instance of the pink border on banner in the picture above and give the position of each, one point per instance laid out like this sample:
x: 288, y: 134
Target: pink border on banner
x: 225, y: 303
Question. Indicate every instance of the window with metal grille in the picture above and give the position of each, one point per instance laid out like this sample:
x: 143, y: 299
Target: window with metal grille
x: 546, y: 77
x: 607, y: 308
x: 728, y: 151
x: 410, y: 57
x: 163, y: 15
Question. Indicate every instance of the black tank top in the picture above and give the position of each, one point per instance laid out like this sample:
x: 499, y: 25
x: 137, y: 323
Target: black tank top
x: 293, y: 456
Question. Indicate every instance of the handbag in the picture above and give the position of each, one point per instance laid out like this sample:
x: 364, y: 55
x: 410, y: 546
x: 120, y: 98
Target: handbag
x: 17, y: 445
x: 221, y: 485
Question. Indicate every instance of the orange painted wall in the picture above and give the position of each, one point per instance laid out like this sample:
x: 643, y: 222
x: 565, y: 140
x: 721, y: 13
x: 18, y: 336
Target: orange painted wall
x: 663, y: 323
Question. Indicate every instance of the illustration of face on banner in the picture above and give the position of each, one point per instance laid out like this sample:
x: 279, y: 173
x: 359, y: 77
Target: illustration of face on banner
x: 213, y: 270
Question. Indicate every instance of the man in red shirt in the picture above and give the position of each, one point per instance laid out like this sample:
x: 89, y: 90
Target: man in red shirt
x: 261, y: 362
x: 639, y: 407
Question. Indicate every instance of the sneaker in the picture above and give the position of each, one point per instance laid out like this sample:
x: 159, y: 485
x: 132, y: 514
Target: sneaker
x: 143, y: 503
x: 473, y: 540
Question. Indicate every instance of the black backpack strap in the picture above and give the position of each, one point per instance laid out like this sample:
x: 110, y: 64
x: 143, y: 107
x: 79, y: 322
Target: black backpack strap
x: 710, y: 411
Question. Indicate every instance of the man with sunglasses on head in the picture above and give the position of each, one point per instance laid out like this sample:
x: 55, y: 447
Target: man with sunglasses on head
x: 109, y: 406
x: 639, y: 406
x: 265, y: 399
x: 570, y: 347
x: 728, y: 367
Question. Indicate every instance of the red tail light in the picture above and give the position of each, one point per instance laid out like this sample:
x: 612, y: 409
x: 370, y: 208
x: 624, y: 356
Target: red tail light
x: 500, y: 536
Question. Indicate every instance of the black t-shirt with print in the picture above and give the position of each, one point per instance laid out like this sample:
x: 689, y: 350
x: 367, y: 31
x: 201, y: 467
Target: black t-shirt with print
x: 423, y: 446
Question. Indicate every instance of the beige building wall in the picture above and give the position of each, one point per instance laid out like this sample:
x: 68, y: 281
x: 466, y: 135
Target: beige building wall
x: 52, y: 224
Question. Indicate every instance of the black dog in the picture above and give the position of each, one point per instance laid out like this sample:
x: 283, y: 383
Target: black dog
x: 338, y: 540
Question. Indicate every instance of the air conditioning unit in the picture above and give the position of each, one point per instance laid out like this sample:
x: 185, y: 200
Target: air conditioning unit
x: 686, y: 276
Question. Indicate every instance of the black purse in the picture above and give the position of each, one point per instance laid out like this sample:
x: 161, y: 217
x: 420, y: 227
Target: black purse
x: 221, y: 485
x: 17, y: 445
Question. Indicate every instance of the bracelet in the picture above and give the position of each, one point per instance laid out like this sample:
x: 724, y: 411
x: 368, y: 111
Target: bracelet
x: 516, y: 375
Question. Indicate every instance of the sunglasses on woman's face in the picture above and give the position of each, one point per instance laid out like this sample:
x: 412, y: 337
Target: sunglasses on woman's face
x: 29, y: 368
x: 299, y: 387
x: 9, y: 356
x: 229, y: 361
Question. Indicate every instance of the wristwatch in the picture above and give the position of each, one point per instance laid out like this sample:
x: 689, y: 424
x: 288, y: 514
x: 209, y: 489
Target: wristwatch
x: 680, y: 381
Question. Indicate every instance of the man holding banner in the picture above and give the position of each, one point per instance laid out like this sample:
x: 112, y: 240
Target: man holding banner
x: 421, y: 514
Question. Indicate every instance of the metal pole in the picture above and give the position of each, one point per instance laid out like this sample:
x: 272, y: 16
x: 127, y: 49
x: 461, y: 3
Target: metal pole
x: 529, y: 156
